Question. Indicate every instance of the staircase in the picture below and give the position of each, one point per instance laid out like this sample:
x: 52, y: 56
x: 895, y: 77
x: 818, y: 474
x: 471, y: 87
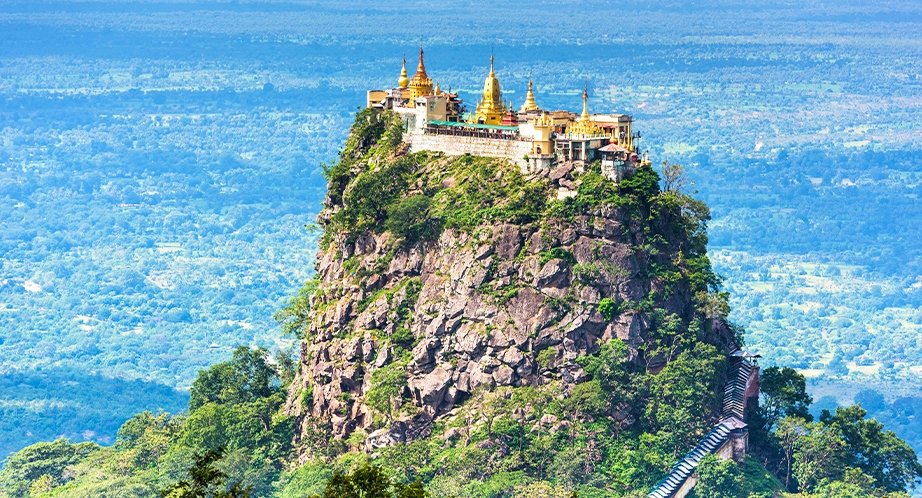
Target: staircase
x: 735, y: 391
x: 734, y: 411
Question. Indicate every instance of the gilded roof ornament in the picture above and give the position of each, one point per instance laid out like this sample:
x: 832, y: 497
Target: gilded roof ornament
x: 421, y: 84
x: 491, y: 107
x: 584, y: 127
x: 404, y: 80
x: 530, y: 104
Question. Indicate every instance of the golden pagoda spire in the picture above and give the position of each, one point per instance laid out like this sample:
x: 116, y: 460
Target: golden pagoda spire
x: 421, y: 84
x: 490, y: 109
x: 404, y: 80
x: 584, y: 127
x: 421, y: 68
x: 529, y: 104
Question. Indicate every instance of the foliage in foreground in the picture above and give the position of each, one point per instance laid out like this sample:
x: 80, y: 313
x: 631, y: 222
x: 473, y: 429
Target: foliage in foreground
x: 234, y: 433
x: 206, y: 481
x: 841, y: 455
x: 236, y: 444
x: 369, y: 481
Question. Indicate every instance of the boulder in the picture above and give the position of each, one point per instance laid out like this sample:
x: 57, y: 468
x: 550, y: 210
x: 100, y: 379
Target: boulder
x: 469, y: 339
x: 353, y: 348
x: 396, y: 433
x: 554, y: 278
x: 537, y: 243
x: 504, y: 376
x: 383, y: 358
x: 560, y: 172
x: 429, y: 390
x: 423, y: 353
x: 509, y: 242
x: 547, y: 420
x: 512, y: 357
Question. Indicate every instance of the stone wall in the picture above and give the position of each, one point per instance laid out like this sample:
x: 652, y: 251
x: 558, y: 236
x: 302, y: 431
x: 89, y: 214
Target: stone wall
x: 514, y: 150
x: 687, y: 486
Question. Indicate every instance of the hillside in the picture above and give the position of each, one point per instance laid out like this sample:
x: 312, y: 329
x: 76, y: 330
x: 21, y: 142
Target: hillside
x: 449, y: 287
x: 470, y: 328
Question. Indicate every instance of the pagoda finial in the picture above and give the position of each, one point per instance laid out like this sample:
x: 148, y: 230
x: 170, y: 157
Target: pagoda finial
x: 491, y: 106
x: 404, y: 80
x: 585, y: 116
x: 530, y: 104
x: 421, y: 83
x: 421, y: 68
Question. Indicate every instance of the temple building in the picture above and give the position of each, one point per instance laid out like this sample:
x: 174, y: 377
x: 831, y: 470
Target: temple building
x: 532, y: 137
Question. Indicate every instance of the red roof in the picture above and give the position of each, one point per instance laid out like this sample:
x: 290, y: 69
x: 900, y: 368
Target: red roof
x: 612, y: 148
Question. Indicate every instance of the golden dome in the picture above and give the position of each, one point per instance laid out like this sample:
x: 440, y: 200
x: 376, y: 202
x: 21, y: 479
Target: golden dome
x: 404, y: 80
x: 529, y: 104
x: 491, y: 91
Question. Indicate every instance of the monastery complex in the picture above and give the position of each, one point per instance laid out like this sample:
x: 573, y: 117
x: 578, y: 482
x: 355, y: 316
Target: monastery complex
x: 532, y: 137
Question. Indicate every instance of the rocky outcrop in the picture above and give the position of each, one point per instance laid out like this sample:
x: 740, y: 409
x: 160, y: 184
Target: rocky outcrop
x: 502, y: 305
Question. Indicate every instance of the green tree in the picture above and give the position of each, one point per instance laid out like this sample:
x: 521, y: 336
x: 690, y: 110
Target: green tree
x: 674, y: 178
x: 247, y: 377
x: 787, y: 433
x: 43, y: 485
x: 586, y: 399
x: 683, y: 397
x: 409, y: 218
x: 880, y: 454
x: 718, y: 479
x: 369, y: 481
x: 384, y: 395
x: 783, y: 394
x: 147, y: 436
x: 295, y: 316
x: 615, y: 374
x: 819, y: 455
x: 41, y: 461
x: 853, y: 484
x: 206, y: 481
x: 609, y: 308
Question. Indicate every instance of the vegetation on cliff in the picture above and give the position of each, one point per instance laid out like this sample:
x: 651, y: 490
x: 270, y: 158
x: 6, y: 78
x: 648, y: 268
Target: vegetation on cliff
x: 611, y: 374
x: 488, y: 334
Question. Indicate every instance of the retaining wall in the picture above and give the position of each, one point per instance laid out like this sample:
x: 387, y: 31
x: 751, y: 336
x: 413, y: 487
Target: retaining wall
x: 514, y: 150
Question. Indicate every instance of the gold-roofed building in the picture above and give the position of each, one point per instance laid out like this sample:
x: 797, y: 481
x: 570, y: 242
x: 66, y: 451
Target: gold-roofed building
x: 532, y: 137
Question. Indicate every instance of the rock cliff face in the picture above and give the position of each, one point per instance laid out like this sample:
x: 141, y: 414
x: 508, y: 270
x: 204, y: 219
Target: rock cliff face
x: 403, y: 331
